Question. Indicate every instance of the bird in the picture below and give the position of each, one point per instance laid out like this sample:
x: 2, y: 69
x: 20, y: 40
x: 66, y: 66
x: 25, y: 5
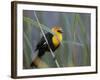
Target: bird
x: 54, y: 41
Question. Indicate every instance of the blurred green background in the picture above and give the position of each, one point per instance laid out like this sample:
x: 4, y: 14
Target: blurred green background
x: 76, y: 37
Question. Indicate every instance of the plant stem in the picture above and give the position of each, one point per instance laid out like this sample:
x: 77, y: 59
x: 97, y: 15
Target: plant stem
x: 57, y: 64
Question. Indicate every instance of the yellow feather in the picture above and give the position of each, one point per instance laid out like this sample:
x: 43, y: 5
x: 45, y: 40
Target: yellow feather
x: 57, y: 39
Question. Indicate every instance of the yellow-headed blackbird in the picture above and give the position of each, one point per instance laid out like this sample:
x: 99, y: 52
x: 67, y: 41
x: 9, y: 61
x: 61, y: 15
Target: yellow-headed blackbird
x: 53, y: 41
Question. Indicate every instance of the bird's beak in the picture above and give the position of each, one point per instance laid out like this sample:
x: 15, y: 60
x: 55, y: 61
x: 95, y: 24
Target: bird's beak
x: 61, y: 31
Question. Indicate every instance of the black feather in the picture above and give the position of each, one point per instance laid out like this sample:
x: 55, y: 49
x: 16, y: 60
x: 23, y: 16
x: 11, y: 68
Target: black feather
x: 42, y: 46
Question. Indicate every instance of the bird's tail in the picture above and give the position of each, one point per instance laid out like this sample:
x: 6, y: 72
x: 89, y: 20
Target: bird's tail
x: 38, y: 63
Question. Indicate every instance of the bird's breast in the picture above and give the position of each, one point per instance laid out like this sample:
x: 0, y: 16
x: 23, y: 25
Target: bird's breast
x: 56, y: 39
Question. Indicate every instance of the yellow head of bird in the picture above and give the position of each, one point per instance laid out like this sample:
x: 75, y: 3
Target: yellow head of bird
x: 57, y: 30
x: 57, y: 37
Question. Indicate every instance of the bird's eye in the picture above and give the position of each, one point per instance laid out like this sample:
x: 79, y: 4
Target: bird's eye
x: 60, y: 31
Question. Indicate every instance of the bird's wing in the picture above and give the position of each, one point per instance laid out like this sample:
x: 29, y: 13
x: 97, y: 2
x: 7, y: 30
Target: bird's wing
x: 42, y: 42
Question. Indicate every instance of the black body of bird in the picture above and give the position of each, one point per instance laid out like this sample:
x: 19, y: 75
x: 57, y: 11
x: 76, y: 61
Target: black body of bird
x: 42, y: 46
x: 53, y: 42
